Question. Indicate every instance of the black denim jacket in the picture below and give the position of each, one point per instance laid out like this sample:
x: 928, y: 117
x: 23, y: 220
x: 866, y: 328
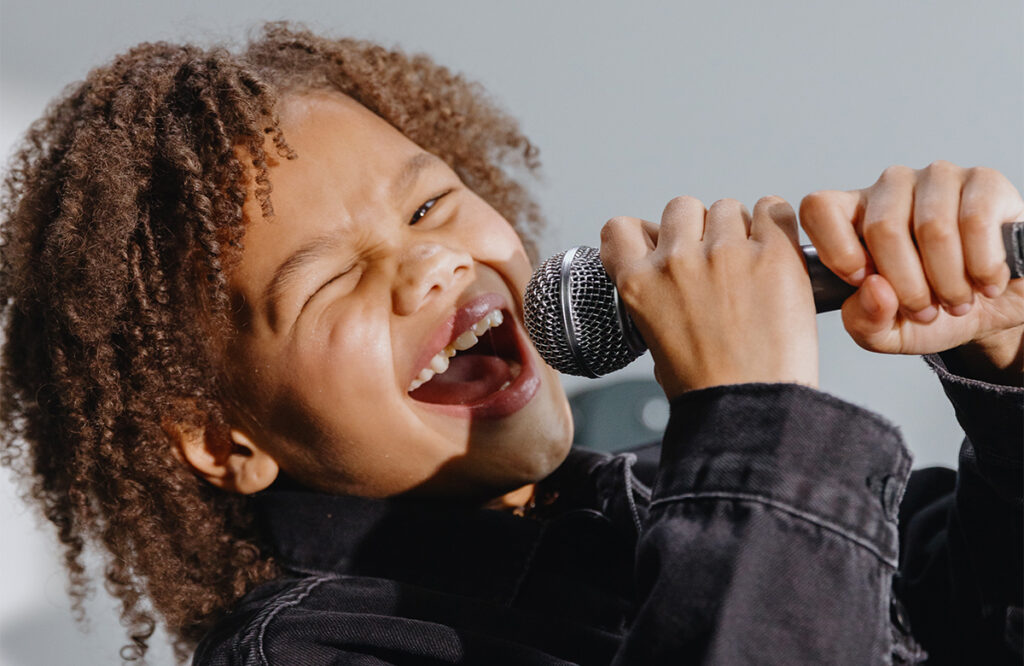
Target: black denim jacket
x: 767, y: 534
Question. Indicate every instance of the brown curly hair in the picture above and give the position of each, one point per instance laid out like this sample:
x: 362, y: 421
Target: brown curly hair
x: 122, y: 213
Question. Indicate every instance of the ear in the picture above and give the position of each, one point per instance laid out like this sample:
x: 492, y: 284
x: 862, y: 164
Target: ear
x: 238, y: 465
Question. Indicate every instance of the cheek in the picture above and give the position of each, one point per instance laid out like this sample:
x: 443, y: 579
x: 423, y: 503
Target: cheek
x: 498, y: 245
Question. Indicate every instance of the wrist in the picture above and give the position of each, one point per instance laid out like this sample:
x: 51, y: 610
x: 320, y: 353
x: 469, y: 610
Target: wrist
x: 807, y: 377
x: 996, y: 358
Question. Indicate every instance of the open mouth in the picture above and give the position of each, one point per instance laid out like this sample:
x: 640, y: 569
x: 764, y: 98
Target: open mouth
x: 480, y: 362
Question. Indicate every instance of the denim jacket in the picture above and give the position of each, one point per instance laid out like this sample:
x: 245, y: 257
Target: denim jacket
x: 768, y: 529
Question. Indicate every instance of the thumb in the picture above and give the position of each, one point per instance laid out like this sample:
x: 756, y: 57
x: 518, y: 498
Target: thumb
x: 870, y: 314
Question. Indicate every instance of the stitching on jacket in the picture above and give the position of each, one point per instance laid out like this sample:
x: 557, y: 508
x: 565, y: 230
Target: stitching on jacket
x: 938, y: 366
x: 286, y: 600
x: 787, y: 508
x: 758, y: 389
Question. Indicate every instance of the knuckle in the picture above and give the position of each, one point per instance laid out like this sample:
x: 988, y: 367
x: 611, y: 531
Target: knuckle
x: 682, y: 205
x: 725, y: 207
x: 667, y: 271
x: 846, y: 259
x: 942, y: 167
x: 773, y: 206
x: 769, y: 202
x: 816, y: 204
x: 974, y: 227
x: 916, y: 298
x: 931, y: 231
x: 881, y: 232
x: 896, y: 173
x: 722, y: 256
x: 684, y: 200
x: 675, y: 266
x: 989, y: 272
x: 629, y: 282
x: 984, y: 173
x: 615, y: 226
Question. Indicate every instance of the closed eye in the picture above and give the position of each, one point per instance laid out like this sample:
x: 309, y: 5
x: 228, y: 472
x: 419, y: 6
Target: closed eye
x: 325, y: 285
x: 422, y: 211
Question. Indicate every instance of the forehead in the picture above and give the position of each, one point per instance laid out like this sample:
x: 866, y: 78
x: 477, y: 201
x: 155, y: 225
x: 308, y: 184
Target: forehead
x: 347, y: 159
x: 333, y: 133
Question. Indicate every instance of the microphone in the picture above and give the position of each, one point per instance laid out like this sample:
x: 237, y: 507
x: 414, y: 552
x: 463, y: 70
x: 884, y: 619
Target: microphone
x: 580, y: 326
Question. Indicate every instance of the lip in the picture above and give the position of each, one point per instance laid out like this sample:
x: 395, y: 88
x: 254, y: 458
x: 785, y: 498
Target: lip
x: 500, y: 403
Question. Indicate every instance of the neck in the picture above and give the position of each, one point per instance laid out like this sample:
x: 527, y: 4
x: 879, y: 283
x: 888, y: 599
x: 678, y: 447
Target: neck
x: 515, y: 500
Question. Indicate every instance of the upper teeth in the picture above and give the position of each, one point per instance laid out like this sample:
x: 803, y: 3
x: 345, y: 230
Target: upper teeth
x: 470, y: 337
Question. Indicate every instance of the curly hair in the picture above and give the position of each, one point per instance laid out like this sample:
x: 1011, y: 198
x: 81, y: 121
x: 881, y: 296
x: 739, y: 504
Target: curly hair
x: 122, y: 215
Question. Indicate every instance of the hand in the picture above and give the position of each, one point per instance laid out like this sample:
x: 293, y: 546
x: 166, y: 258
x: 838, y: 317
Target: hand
x: 933, y: 274
x: 720, y: 297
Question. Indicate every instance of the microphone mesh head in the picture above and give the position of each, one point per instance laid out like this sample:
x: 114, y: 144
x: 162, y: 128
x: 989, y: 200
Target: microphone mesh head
x: 593, y: 344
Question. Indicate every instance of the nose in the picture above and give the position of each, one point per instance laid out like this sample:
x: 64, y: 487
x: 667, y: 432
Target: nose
x: 425, y: 271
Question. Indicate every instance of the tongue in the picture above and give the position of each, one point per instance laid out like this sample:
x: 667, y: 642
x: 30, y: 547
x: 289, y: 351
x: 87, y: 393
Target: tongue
x: 469, y: 378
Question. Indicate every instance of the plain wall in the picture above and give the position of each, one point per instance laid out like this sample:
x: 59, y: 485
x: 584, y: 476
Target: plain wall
x: 630, y: 107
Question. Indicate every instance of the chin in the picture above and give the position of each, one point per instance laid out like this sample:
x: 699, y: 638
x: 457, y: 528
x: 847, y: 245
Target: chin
x: 545, y: 462
x: 509, y: 464
x: 546, y: 442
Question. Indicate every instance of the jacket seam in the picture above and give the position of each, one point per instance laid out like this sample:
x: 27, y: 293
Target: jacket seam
x: 292, y: 598
x: 938, y: 366
x: 787, y: 508
x: 759, y: 389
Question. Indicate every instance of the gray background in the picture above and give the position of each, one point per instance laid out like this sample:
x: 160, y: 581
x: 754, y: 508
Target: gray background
x: 630, y: 106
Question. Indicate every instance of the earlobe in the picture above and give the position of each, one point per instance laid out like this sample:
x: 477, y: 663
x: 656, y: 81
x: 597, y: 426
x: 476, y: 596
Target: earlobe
x: 238, y: 465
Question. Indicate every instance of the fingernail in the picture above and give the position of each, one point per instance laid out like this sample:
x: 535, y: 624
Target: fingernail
x: 959, y: 310
x: 858, y: 276
x: 926, y: 315
x: 991, y: 290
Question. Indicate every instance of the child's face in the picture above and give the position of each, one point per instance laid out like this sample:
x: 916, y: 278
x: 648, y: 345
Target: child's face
x: 377, y: 258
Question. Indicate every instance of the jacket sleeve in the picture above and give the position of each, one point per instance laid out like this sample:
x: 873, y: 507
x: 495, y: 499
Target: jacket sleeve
x: 772, y: 534
x: 961, y: 565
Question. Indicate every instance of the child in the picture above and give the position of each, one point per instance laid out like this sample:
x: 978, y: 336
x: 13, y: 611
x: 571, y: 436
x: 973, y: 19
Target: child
x: 264, y: 343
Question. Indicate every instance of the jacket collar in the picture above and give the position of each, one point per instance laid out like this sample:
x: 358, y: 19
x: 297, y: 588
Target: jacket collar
x: 312, y: 532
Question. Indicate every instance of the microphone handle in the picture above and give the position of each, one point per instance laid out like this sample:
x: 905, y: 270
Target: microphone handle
x: 830, y: 290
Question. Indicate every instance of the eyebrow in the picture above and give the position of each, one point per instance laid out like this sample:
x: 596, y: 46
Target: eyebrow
x: 410, y: 171
x: 290, y: 268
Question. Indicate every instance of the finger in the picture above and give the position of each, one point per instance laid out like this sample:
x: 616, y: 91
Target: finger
x: 870, y: 314
x: 728, y: 221
x: 987, y: 201
x: 887, y: 219
x: 625, y: 241
x: 773, y: 214
x: 936, y: 211
x: 653, y: 231
x: 831, y: 219
x: 682, y: 224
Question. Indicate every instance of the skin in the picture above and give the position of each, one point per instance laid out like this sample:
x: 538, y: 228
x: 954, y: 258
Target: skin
x: 323, y: 370
x: 924, y: 247
x: 720, y: 295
